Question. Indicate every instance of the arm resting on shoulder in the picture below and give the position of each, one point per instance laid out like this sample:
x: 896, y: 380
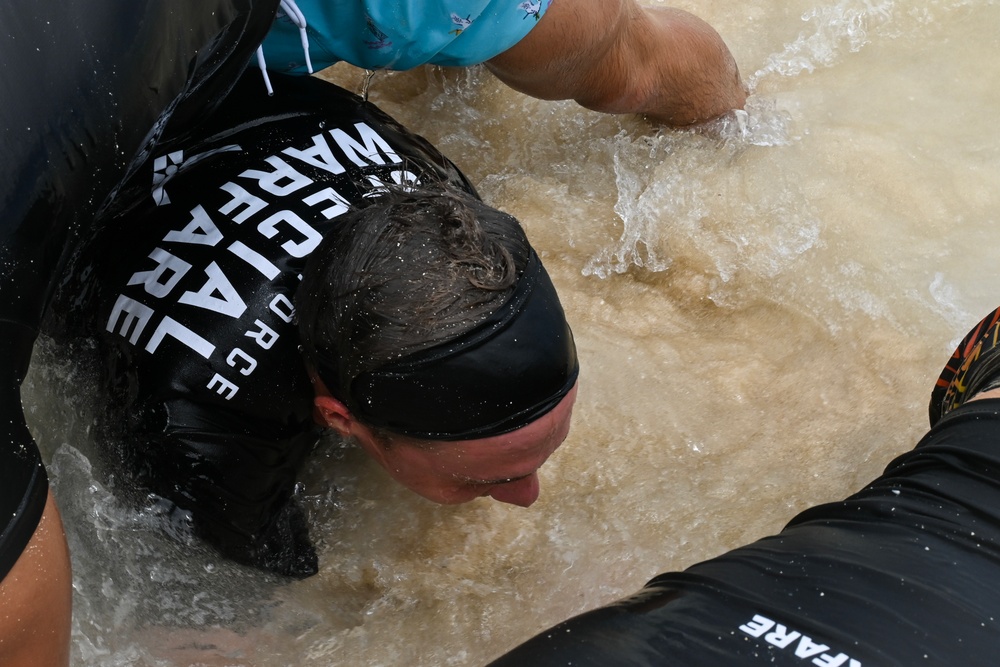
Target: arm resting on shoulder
x: 617, y: 57
x: 36, y: 599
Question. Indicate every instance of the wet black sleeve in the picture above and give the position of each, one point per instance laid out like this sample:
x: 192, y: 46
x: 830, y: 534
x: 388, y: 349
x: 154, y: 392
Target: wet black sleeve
x: 23, y: 490
x: 225, y: 472
x: 228, y: 478
x: 71, y: 123
x: 23, y: 483
x: 906, y: 572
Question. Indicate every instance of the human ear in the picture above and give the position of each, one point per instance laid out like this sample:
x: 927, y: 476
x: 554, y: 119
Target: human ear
x: 327, y: 410
x: 331, y: 413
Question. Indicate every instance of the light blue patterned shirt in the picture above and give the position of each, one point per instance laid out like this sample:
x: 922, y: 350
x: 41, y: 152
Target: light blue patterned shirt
x: 400, y: 34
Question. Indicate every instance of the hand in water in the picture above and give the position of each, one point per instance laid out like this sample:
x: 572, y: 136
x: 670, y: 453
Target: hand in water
x: 618, y: 57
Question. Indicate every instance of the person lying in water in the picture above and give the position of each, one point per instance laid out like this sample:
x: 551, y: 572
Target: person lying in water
x: 430, y: 332
x: 904, y: 572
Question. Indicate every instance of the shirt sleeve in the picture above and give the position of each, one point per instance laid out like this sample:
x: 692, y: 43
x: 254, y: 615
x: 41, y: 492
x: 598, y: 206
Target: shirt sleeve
x: 23, y: 482
x: 227, y: 477
x: 401, y: 35
x: 23, y: 491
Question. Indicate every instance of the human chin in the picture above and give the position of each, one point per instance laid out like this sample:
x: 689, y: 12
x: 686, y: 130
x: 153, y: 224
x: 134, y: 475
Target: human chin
x: 446, y: 495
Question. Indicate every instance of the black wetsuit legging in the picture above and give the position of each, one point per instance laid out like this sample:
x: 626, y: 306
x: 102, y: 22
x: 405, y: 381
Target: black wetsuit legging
x: 905, y: 572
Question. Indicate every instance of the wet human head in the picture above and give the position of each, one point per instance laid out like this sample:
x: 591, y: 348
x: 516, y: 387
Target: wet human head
x: 438, y: 342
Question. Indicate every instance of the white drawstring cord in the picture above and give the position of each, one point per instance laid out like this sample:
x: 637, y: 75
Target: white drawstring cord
x: 296, y: 16
x: 299, y: 19
x: 263, y: 70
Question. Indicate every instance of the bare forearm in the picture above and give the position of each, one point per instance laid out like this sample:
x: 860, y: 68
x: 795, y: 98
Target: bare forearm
x: 616, y: 57
x: 690, y: 74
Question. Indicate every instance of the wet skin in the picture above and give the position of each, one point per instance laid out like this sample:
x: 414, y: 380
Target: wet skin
x: 504, y: 467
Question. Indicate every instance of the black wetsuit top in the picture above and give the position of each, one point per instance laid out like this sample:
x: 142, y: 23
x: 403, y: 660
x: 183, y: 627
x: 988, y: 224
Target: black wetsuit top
x: 904, y: 573
x: 191, y: 283
x: 83, y: 83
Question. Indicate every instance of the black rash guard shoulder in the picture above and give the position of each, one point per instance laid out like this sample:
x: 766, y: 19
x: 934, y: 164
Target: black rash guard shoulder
x: 905, y: 572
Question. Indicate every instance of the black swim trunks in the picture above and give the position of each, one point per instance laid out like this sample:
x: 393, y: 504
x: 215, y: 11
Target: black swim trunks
x: 906, y: 572
x: 189, y: 289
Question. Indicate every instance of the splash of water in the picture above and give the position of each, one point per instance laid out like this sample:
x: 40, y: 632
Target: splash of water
x: 834, y: 29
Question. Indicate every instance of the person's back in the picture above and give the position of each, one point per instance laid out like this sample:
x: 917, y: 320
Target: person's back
x: 189, y: 287
x: 433, y: 334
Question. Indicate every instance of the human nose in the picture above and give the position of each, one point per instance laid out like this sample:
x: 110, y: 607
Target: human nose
x: 522, y: 493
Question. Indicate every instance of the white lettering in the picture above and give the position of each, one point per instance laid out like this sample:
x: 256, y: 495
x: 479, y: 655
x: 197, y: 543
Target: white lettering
x: 282, y: 307
x: 200, y: 231
x: 228, y: 302
x: 407, y: 179
x: 404, y: 177
x: 269, y: 228
x: 171, y: 327
x: 241, y: 198
x: 134, y: 313
x: 283, y: 181
x: 378, y: 186
x: 223, y: 387
x: 319, y: 155
x: 254, y: 259
x: 340, y: 205
x: 368, y: 153
x: 807, y: 648
x: 758, y: 626
x: 166, y: 265
x: 238, y: 354
x: 781, y: 637
x: 265, y: 336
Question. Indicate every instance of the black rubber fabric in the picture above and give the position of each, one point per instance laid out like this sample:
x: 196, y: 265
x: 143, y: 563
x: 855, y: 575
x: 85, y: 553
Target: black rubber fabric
x: 905, y: 572
x: 113, y: 76
x: 23, y: 483
x: 23, y: 490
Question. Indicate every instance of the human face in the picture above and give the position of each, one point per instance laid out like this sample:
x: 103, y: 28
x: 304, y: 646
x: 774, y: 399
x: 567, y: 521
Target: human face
x: 504, y: 467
